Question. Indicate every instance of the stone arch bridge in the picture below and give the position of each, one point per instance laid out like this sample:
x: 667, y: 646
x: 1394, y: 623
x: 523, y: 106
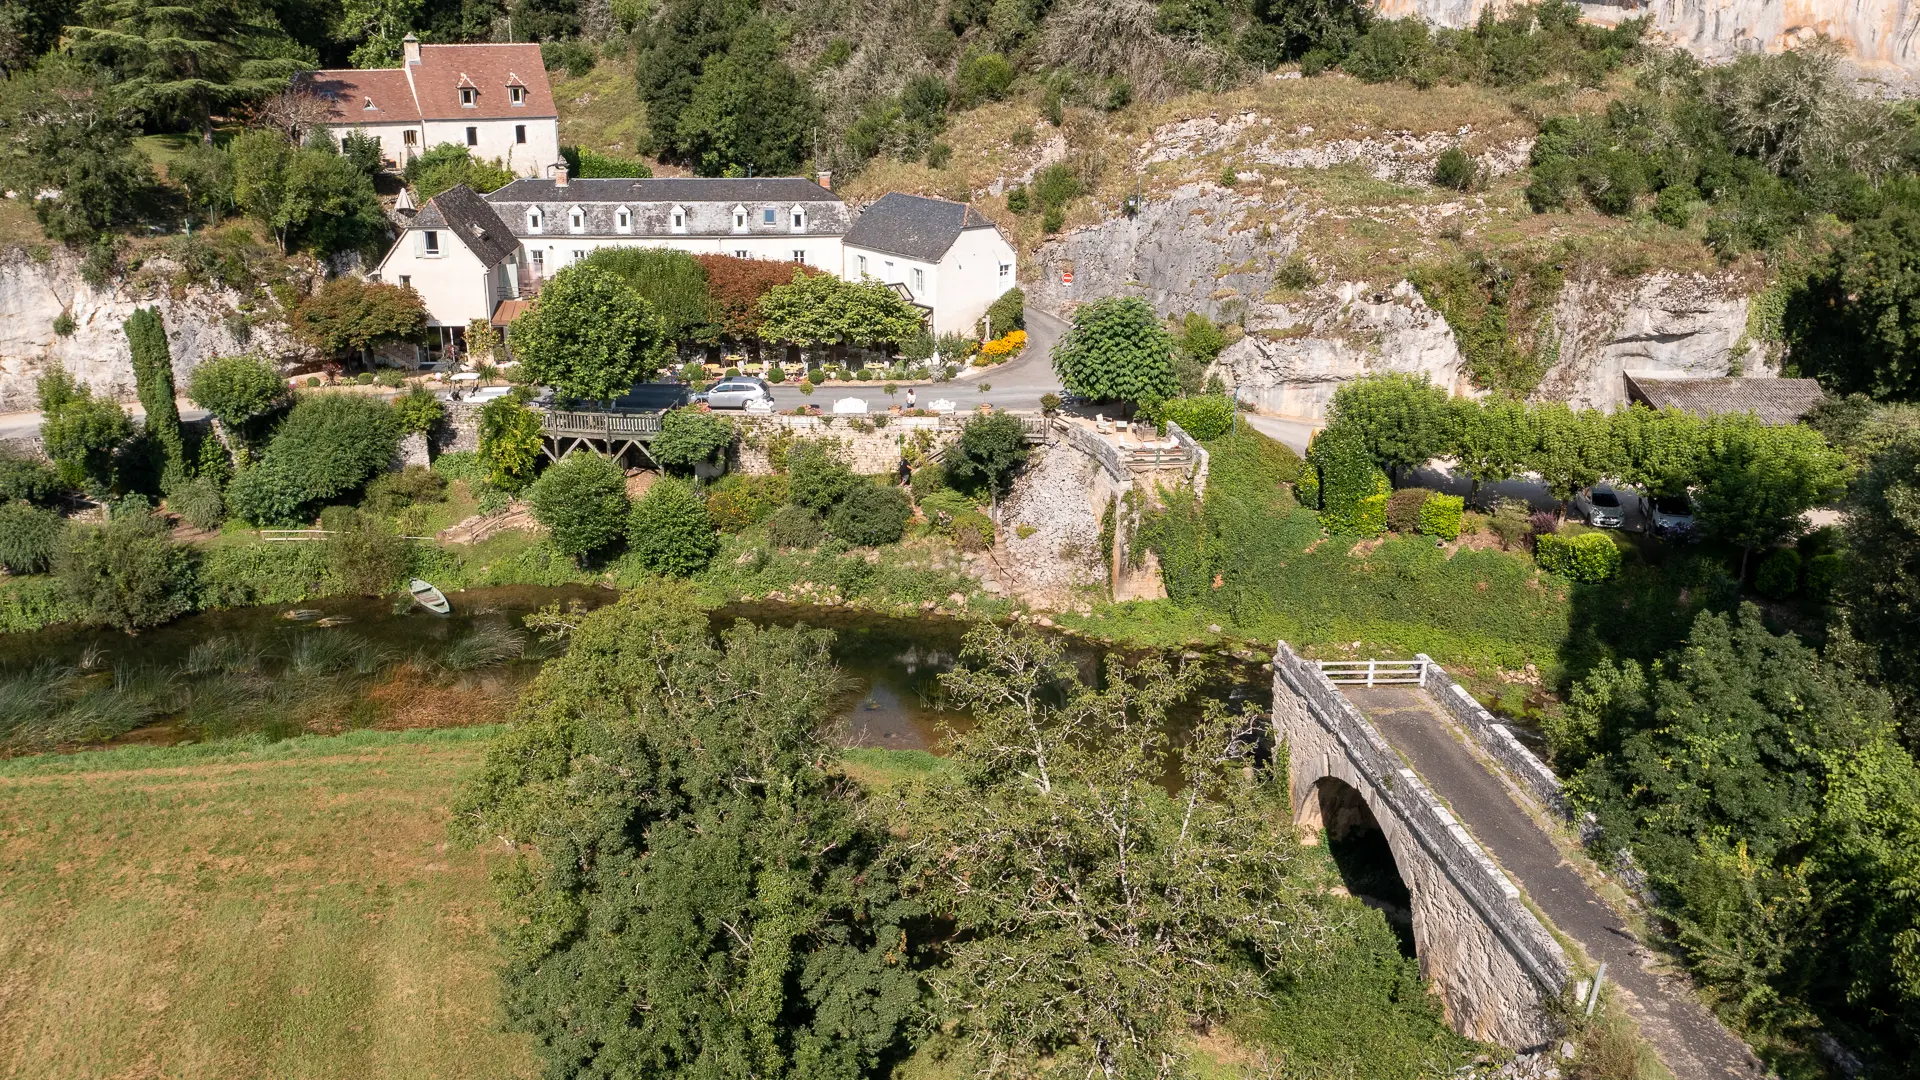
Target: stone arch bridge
x: 1496, y: 967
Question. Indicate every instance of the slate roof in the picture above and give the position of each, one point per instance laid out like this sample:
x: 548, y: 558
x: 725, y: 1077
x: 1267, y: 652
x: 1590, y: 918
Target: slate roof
x: 708, y: 204
x: 1774, y: 401
x: 349, y: 93
x: 914, y: 226
x: 462, y: 212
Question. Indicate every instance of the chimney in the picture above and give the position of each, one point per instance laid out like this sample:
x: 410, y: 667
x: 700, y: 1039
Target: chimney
x: 411, y: 46
x: 826, y: 179
x: 559, y: 176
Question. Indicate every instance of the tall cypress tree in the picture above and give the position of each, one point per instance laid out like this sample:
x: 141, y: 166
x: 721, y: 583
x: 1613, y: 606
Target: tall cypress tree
x: 153, y: 376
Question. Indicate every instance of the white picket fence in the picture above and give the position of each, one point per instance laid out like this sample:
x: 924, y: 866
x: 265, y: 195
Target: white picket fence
x: 1374, y: 672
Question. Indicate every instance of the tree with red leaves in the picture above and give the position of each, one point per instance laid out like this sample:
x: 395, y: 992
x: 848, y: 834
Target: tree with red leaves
x: 735, y: 287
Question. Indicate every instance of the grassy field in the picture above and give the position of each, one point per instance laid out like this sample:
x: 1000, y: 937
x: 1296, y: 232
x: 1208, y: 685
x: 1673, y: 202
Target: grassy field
x: 288, y: 910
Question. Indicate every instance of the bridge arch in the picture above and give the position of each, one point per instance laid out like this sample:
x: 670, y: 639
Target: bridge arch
x: 1361, y: 851
x: 1495, y: 967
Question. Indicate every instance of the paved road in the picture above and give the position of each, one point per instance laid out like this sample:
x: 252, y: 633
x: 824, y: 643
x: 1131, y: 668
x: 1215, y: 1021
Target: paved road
x: 1296, y: 434
x: 26, y: 425
x: 1688, y: 1038
x: 1017, y: 384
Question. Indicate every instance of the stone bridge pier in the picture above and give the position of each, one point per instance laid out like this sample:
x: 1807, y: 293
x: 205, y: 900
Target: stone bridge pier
x: 1497, y: 969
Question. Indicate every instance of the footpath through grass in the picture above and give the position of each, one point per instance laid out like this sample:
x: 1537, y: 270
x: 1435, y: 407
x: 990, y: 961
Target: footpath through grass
x: 248, y: 909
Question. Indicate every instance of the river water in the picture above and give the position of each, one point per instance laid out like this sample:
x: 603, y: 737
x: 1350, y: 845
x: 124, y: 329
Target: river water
x: 358, y: 662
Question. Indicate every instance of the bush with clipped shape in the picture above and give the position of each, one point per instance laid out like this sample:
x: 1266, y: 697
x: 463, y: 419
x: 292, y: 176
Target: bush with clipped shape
x: 1585, y: 557
x: 1206, y: 417
x: 1440, y: 517
x: 1404, y: 506
x: 669, y: 531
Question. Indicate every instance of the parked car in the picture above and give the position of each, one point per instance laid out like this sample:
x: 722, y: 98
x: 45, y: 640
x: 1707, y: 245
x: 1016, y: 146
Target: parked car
x: 1672, y: 517
x: 734, y: 393
x: 1600, y: 507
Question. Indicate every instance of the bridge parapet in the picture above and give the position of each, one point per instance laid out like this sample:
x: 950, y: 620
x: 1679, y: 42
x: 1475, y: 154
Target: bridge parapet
x: 1497, y: 968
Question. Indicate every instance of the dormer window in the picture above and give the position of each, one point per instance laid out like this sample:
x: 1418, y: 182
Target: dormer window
x: 739, y: 219
x: 516, y: 95
x: 798, y: 216
x: 576, y: 220
x: 533, y: 220
x: 679, y: 219
x: 623, y: 220
x: 468, y: 97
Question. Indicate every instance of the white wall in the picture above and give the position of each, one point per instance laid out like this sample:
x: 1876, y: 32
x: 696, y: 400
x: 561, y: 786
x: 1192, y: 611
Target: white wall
x: 559, y: 246
x: 392, y: 139
x: 531, y: 158
x: 891, y: 269
x: 970, y: 280
x: 455, y: 288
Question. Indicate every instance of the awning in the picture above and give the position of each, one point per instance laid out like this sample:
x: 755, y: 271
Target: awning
x: 510, y: 310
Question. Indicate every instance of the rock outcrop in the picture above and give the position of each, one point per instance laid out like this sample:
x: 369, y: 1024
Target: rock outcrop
x: 1877, y: 33
x: 37, y: 288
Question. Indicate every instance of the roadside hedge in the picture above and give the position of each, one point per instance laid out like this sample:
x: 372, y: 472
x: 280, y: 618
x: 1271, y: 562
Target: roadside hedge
x: 1206, y: 417
x: 1348, y: 479
x: 1587, y: 557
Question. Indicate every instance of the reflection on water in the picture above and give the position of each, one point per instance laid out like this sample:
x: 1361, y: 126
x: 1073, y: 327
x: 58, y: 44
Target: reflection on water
x: 360, y: 662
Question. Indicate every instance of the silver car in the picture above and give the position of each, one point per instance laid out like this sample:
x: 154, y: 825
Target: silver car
x: 735, y: 393
x: 1672, y: 517
x: 1600, y: 507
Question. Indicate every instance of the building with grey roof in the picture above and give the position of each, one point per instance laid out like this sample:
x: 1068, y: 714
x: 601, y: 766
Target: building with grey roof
x: 1773, y: 401
x: 946, y: 256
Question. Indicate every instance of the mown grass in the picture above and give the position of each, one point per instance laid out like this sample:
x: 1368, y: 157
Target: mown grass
x: 248, y: 909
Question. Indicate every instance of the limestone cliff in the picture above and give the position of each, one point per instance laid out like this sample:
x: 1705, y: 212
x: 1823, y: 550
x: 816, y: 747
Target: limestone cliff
x: 37, y: 287
x: 1878, y: 33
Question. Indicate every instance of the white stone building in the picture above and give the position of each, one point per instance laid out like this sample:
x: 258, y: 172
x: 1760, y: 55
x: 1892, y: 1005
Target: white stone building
x: 492, y: 99
x: 462, y: 260
x: 949, y: 258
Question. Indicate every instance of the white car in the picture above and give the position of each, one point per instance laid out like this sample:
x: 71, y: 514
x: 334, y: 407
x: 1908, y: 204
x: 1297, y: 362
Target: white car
x: 1600, y: 507
x: 735, y: 392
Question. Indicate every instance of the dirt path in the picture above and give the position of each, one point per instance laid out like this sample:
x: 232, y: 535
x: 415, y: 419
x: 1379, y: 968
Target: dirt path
x: 1688, y: 1038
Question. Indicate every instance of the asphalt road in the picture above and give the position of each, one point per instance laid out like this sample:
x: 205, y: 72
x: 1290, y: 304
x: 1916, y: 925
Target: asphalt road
x: 1016, y: 384
x: 1688, y: 1038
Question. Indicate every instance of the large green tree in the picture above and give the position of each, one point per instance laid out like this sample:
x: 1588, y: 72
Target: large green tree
x: 822, y: 309
x: 750, y: 112
x: 582, y: 500
x: 698, y: 892
x: 1572, y: 450
x: 1856, y: 325
x: 674, y: 282
x: 1402, y: 419
x: 690, y: 437
x: 329, y: 446
x: 240, y: 391
x: 1117, y: 350
x: 1883, y: 544
x: 988, y: 453
x: 127, y: 574
x: 183, y: 63
x: 309, y: 199
x: 349, y: 315
x: 1096, y: 915
x: 1757, y: 480
x: 589, y: 335
x: 68, y: 139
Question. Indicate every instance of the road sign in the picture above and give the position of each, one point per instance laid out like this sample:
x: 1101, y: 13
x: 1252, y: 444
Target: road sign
x: 1066, y: 277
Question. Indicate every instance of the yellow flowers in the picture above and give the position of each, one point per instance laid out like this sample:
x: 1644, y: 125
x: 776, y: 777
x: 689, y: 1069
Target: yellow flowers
x: 1004, y: 346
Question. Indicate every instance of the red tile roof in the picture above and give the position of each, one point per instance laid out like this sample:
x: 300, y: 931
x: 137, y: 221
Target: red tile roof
x: 350, y: 90
x: 431, y: 89
x: 491, y: 69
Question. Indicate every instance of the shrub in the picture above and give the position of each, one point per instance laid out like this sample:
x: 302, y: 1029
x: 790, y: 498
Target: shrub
x: 1053, y: 220
x: 237, y: 390
x: 796, y: 527
x: 669, y: 531
x: 1017, y: 201
x: 928, y: 479
x: 1454, y: 169
x: 776, y: 375
x: 127, y: 574
x: 1347, y: 477
x: 1824, y: 574
x: 1779, y: 573
x: 991, y: 448
x: 1370, y: 515
x: 1440, y: 516
x: 1404, y: 506
x: 1206, y: 417
x: 1051, y: 403
x: 28, y: 537
x: 1587, y: 557
x: 817, y: 477
x: 1510, y: 521
x: 982, y: 77
x: 816, y: 376
x: 1541, y: 522
x: 689, y: 437
x: 460, y: 465
x: 582, y: 500
x: 510, y: 437
x: 863, y: 375
x: 419, y: 411
x: 199, y: 503
x: 740, y: 502
x: 25, y: 479
x: 871, y: 515
x: 393, y: 492
x: 326, y: 447
x: 1009, y: 311
x: 973, y: 531
x: 364, y: 554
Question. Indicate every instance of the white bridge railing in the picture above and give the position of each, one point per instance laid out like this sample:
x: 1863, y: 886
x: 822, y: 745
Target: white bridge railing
x: 1374, y: 672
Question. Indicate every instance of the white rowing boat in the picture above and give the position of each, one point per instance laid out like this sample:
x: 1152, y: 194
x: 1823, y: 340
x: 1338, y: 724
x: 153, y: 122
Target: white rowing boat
x: 429, y: 597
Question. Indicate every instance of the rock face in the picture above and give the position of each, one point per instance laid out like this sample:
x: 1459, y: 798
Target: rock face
x: 1875, y: 32
x: 1211, y: 250
x: 35, y: 291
